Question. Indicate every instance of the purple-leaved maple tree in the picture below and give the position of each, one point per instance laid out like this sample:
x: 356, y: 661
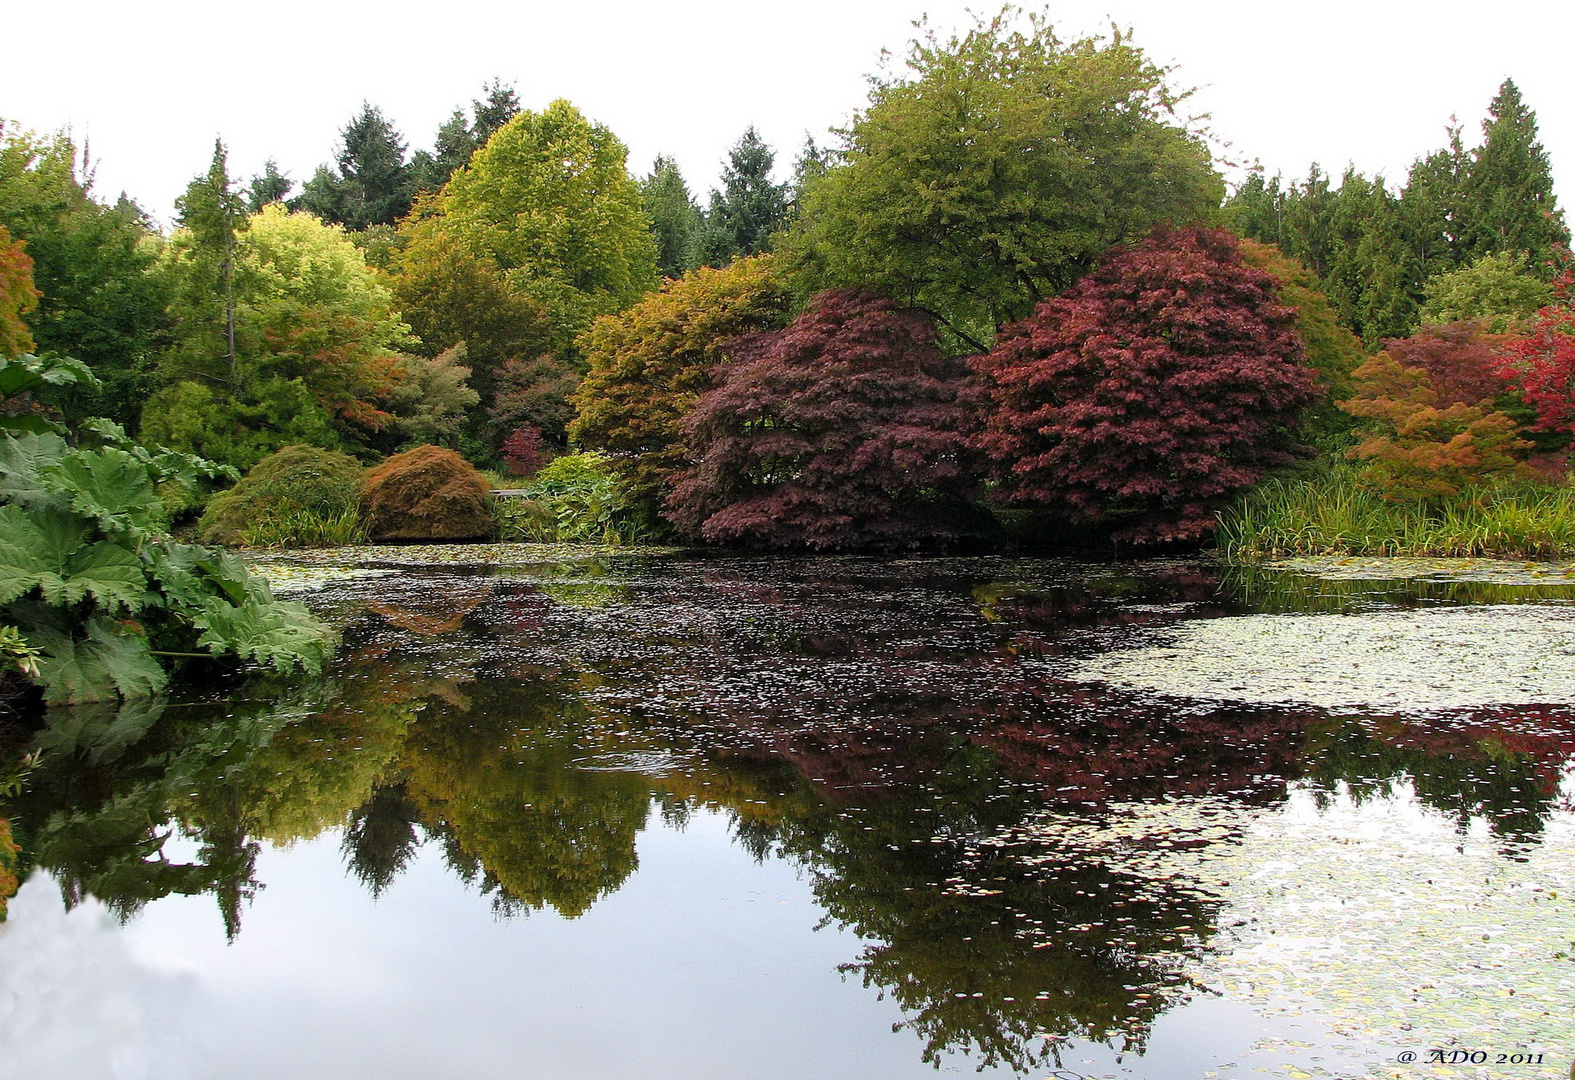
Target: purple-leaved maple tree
x: 846, y: 429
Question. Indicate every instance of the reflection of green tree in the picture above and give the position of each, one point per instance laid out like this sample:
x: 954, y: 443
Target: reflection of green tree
x: 1289, y: 592
x: 1462, y: 778
x: 497, y: 778
x: 985, y: 952
x: 116, y: 783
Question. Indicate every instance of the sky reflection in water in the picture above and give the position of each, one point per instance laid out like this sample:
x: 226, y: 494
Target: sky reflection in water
x: 585, y: 819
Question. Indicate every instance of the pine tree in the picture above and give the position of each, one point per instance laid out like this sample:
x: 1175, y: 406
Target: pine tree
x: 374, y: 184
x: 1508, y: 196
x: 270, y: 186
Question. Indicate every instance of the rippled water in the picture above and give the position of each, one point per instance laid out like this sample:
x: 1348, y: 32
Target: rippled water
x: 659, y: 815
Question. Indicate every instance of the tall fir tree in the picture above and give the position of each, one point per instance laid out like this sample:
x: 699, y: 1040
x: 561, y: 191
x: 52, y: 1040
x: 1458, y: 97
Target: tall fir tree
x: 374, y: 184
x: 748, y: 208
x: 1508, y: 196
x: 269, y: 186
x: 676, y: 220
x: 213, y: 213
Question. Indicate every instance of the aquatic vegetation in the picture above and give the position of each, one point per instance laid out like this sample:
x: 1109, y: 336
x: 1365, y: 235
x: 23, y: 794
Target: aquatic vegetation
x: 1423, y: 660
x: 1333, y: 515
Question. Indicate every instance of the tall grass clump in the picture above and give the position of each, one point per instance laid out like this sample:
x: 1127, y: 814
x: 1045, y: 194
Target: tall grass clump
x: 576, y: 499
x: 1335, y: 515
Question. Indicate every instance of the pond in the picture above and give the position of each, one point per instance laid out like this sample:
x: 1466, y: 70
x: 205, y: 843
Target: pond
x: 568, y: 815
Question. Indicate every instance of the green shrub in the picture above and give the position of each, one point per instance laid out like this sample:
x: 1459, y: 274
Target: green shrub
x: 284, y: 497
x: 428, y: 493
x: 8, y: 867
x: 576, y: 499
x: 1336, y: 515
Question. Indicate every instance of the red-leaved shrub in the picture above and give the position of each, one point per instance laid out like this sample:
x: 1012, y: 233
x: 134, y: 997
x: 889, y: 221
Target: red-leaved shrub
x: 843, y: 430
x: 1150, y: 393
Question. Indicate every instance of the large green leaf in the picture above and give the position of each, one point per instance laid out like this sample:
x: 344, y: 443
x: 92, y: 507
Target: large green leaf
x: 23, y: 460
x: 101, y: 730
x: 110, y: 486
x: 109, y: 662
x: 27, y: 373
x: 278, y: 634
x: 48, y: 550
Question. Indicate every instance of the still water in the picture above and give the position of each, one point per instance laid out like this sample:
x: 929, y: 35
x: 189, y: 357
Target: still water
x: 657, y: 815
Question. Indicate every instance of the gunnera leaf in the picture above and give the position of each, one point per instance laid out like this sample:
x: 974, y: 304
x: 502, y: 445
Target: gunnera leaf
x: 111, y: 661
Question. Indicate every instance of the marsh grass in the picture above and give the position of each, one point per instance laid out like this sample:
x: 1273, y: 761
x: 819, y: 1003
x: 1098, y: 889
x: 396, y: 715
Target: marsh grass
x: 1334, y: 515
x: 307, y: 528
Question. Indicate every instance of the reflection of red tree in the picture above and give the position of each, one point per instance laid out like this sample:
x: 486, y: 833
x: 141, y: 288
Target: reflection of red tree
x: 1543, y: 733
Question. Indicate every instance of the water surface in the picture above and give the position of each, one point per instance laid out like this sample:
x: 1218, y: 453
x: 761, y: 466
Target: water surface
x: 662, y: 815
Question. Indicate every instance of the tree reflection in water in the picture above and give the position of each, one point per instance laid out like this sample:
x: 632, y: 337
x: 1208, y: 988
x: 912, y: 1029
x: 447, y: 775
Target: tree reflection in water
x: 936, y: 811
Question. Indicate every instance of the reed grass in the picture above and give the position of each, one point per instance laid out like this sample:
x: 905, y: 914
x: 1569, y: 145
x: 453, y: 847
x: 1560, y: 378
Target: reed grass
x: 307, y: 528
x: 1335, y: 515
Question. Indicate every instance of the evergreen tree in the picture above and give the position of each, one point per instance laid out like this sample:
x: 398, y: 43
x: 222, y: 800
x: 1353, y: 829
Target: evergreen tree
x: 457, y: 139
x: 1431, y: 208
x: 749, y: 208
x: 676, y: 220
x: 212, y: 213
x: 374, y: 185
x: 1508, y: 197
x: 501, y: 105
x: 271, y: 186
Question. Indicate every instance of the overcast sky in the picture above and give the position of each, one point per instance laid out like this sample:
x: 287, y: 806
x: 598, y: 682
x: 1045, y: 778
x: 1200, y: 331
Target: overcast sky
x: 149, y: 85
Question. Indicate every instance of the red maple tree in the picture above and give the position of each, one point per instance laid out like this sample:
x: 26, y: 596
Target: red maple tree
x: 844, y: 430
x: 1145, y: 397
x: 1541, y: 361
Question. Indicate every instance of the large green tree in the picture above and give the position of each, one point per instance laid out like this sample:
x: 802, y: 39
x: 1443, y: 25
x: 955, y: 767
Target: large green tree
x: 748, y: 208
x: 997, y: 170
x: 676, y: 221
x: 284, y: 335
x: 374, y: 183
x: 92, y: 263
x: 549, y: 199
x: 1509, y: 201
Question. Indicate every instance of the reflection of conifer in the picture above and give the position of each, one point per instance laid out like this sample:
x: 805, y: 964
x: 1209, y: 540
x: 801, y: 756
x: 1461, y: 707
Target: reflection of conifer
x: 381, y: 837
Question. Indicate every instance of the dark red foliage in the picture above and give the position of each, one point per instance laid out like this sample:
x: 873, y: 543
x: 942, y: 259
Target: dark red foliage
x: 524, y: 451
x: 844, y: 430
x: 1541, y: 361
x: 1154, y: 390
x: 1461, y: 360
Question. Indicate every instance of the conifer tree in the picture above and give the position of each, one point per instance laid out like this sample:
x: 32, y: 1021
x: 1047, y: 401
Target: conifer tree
x: 374, y: 184
x: 676, y: 220
x: 748, y: 208
x: 1509, y: 201
x: 270, y: 186
x: 212, y: 212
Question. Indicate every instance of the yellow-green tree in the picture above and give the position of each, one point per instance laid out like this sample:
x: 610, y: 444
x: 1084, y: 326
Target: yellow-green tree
x: 996, y: 170
x: 650, y: 363
x: 550, y: 200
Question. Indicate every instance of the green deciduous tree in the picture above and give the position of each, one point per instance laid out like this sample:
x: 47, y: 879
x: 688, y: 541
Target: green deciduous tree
x: 997, y: 171
x: 1497, y: 290
x: 309, y: 354
x: 92, y: 262
x: 549, y: 199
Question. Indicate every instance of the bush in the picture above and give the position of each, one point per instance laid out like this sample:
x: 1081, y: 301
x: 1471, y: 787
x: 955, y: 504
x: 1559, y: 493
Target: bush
x: 576, y: 499
x: 428, y: 493
x: 8, y: 867
x: 847, y: 429
x: 286, y: 500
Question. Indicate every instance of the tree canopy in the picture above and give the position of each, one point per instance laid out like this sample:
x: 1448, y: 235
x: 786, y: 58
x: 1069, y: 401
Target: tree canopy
x: 997, y: 171
x: 549, y: 199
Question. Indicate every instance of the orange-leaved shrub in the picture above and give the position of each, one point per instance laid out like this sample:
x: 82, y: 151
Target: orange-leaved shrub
x: 429, y: 493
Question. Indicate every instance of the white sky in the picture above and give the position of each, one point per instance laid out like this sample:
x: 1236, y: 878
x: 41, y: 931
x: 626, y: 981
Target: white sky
x: 150, y: 84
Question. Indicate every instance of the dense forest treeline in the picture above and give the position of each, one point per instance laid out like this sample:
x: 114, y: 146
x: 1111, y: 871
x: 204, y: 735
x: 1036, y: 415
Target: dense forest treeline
x: 1014, y: 292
